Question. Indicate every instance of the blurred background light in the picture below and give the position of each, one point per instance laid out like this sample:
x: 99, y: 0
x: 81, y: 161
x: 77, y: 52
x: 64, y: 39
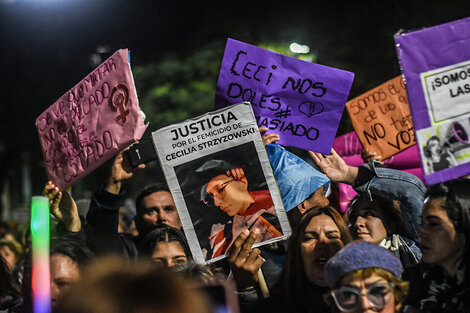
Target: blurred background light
x: 296, y: 48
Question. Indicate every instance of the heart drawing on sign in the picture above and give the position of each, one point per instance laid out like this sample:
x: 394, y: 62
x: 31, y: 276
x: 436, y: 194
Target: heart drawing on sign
x: 311, y: 108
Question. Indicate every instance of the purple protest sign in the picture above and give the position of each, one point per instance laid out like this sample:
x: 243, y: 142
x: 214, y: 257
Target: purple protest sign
x: 301, y: 101
x: 91, y: 122
x: 435, y: 63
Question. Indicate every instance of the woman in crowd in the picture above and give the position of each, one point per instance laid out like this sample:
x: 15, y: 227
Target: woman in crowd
x: 387, y: 211
x: 10, y: 296
x: 68, y: 258
x: 321, y: 233
x: 165, y: 245
x: 441, y: 283
x: 364, y: 277
x: 12, y: 252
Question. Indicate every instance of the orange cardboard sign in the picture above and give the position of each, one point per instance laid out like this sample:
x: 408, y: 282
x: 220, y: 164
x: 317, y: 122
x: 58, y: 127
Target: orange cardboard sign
x: 382, y: 120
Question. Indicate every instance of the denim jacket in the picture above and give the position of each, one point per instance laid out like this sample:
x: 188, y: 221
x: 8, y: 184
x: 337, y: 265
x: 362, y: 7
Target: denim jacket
x: 398, y: 185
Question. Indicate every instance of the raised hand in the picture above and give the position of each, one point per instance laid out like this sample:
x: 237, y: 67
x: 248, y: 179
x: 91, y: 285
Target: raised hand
x: 268, y: 138
x: 334, y: 167
x: 63, y: 207
x: 120, y: 170
x: 244, y: 261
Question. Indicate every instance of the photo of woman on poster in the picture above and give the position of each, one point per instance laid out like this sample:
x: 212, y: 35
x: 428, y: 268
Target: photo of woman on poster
x: 438, y: 156
x: 225, y: 193
x: 226, y: 188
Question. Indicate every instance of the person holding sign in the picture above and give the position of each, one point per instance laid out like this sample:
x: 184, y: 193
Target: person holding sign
x: 154, y: 205
x: 226, y: 188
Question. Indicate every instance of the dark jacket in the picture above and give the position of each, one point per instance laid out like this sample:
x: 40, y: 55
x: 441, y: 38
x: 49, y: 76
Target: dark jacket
x: 103, y: 221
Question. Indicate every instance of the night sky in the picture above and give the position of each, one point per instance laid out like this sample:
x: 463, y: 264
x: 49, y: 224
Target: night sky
x: 46, y: 45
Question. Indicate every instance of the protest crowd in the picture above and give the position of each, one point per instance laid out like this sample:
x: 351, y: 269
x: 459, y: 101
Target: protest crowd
x: 400, y: 245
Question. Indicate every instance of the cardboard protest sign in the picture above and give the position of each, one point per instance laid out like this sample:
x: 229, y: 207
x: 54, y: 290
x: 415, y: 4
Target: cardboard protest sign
x: 382, y: 120
x: 301, y: 101
x: 91, y: 122
x: 435, y: 64
x: 221, y: 180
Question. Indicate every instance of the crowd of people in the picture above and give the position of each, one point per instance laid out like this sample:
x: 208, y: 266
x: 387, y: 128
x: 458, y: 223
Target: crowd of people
x: 401, y: 246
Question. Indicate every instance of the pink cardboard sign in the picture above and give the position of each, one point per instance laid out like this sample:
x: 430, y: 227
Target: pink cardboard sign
x: 91, y: 122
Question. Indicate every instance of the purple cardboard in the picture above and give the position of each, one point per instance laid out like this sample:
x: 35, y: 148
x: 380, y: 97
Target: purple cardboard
x: 301, y: 101
x: 435, y: 63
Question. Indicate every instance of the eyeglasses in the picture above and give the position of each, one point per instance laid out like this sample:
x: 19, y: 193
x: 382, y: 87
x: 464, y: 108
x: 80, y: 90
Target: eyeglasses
x: 348, y: 299
x: 219, y: 193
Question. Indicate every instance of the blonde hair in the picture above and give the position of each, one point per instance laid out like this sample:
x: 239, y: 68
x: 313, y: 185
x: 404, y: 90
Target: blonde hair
x: 400, y: 289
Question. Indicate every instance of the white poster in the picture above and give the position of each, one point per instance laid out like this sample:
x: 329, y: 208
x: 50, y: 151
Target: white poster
x: 221, y: 180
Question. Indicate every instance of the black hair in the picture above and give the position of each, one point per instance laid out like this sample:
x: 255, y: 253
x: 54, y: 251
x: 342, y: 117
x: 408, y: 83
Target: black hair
x: 391, y: 213
x: 147, y: 191
x: 163, y: 233
x: 210, y: 169
x: 8, y: 285
x: 456, y: 195
x: 73, y: 248
x: 427, y: 152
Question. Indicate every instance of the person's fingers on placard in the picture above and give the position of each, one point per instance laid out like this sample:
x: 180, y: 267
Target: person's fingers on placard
x: 237, y: 245
x: 254, y: 261
x: 48, y: 188
x: 270, y: 138
x: 55, y: 201
x: 246, y: 248
x: 262, y: 129
x: 259, y: 261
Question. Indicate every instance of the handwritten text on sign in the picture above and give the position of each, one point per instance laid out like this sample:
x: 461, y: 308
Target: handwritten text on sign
x: 91, y: 122
x: 301, y: 101
x: 382, y: 120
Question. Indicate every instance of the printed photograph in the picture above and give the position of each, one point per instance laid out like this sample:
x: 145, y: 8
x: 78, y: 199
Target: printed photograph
x: 226, y: 192
x: 447, y: 147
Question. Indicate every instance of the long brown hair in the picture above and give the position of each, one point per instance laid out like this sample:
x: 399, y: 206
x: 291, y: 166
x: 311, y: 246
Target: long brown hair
x: 293, y: 279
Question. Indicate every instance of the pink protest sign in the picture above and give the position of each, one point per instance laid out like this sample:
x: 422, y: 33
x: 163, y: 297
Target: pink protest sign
x: 91, y: 122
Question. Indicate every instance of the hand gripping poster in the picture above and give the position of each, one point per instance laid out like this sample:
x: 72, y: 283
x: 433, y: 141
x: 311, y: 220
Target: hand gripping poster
x: 435, y: 63
x: 91, y: 122
x: 221, y: 180
x: 301, y: 101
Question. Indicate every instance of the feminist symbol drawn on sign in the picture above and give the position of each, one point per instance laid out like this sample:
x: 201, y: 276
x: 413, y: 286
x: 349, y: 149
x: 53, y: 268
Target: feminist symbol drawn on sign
x: 311, y: 108
x: 119, y: 98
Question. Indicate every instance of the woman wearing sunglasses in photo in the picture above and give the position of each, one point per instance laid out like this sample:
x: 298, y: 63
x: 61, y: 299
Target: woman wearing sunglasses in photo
x: 227, y: 188
x: 364, y: 277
